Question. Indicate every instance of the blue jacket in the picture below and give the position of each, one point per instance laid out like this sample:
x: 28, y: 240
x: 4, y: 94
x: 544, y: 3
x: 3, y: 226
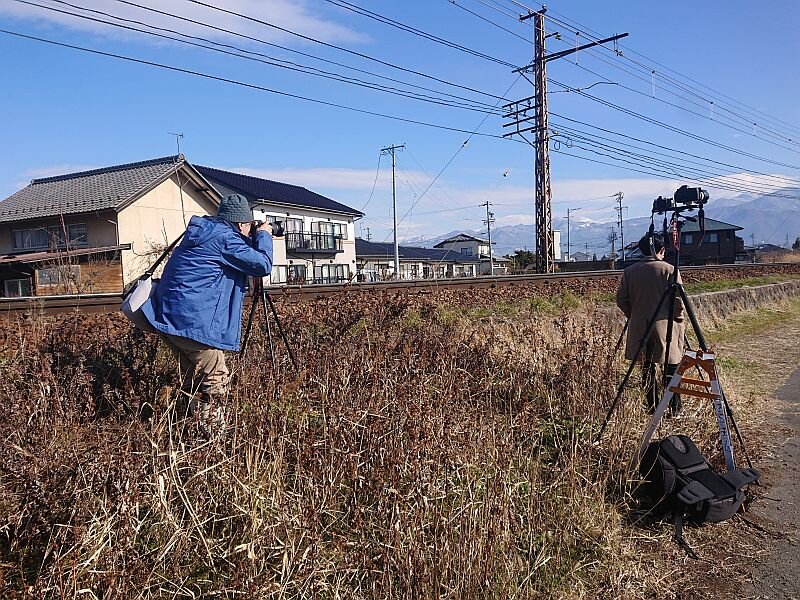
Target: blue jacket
x: 201, y: 291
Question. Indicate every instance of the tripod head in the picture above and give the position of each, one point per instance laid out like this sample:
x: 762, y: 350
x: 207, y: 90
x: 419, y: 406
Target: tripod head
x: 685, y: 200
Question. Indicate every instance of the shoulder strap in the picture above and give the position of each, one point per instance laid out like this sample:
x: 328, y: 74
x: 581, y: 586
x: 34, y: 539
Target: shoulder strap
x: 152, y: 269
x: 677, y: 520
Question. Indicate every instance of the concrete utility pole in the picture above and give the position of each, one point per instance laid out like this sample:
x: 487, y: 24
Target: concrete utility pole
x: 569, y: 246
x: 489, y: 220
x: 391, y: 150
x: 612, y: 238
x: 518, y: 113
x: 619, y: 196
x: 369, y: 235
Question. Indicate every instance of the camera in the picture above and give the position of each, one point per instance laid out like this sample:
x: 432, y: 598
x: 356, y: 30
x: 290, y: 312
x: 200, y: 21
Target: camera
x: 260, y: 217
x: 685, y: 198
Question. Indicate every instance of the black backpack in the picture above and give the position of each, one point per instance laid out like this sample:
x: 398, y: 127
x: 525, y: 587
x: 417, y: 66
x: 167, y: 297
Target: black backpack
x: 677, y: 479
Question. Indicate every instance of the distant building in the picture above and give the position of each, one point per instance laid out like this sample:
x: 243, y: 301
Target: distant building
x: 718, y: 245
x: 376, y: 262
x: 469, y: 245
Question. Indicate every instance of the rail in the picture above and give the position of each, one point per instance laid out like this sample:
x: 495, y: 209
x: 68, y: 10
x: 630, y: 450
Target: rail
x: 105, y: 303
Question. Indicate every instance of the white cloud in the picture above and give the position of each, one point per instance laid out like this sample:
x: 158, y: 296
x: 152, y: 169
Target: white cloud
x: 297, y: 15
x: 333, y: 178
x: 27, y: 175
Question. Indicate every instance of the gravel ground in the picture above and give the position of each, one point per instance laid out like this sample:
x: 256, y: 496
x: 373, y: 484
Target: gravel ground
x: 773, y: 357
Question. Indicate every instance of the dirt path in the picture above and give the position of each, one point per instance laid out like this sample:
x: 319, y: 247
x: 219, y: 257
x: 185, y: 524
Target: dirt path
x: 766, y: 363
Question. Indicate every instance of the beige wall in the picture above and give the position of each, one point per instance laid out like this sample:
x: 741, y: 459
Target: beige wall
x: 144, y: 223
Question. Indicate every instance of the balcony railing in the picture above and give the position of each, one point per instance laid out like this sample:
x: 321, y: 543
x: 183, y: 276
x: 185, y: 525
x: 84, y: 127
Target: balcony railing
x: 313, y: 242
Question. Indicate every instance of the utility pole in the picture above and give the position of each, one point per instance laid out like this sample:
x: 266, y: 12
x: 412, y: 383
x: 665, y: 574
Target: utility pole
x: 612, y: 238
x: 569, y: 246
x: 369, y: 235
x: 391, y: 150
x: 619, y: 196
x: 518, y: 113
x: 489, y: 220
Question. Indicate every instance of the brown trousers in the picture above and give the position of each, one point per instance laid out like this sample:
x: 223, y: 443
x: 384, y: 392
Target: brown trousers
x: 202, y: 369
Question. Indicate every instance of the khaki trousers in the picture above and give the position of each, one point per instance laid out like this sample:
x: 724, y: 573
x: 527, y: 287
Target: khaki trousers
x: 202, y: 369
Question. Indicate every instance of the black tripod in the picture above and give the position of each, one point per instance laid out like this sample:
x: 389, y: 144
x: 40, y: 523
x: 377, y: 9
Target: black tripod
x: 700, y: 359
x: 262, y: 298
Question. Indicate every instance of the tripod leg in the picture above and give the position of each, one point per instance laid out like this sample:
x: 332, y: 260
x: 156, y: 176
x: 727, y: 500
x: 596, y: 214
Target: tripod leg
x: 687, y: 306
x: 701, y: 340
x: 268, y: 330
x: 736, y: 429
x: 621, y: 336
x: 281, y: 331
x: 246, y: 337
x: 666, y: 398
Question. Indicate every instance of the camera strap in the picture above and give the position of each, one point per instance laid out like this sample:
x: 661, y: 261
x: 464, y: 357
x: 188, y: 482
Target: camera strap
x: 152, y: 269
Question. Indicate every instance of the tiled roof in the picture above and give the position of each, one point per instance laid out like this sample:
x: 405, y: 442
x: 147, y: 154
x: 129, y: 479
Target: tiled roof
x: 255, y: 189
x: 711, y: 225
x: 365, y: 249
x: 100, y: 189
x: 461, y: 237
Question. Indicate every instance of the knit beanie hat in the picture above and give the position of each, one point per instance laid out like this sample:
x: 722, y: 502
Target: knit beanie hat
x: 235, y: 209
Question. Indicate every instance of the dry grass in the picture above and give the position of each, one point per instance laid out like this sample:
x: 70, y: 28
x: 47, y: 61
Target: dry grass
x: 421, y: 453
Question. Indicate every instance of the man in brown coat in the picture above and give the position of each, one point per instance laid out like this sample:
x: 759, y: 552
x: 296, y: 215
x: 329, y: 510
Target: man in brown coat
x: 638, y: 296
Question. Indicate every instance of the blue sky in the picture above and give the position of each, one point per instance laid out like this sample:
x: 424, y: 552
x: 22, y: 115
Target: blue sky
x: 66, y: 110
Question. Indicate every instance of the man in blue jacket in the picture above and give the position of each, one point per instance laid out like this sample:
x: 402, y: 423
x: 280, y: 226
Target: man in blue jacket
x: 197, y: 305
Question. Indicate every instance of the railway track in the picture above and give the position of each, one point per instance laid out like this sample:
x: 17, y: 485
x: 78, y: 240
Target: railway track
x: 105, y: 303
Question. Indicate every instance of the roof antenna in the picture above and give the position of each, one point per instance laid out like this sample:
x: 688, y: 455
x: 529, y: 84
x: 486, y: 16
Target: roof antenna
x: 178, y: 137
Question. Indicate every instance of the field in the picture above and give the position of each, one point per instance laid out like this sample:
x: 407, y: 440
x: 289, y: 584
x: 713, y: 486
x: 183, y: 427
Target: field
x: 432, y: 446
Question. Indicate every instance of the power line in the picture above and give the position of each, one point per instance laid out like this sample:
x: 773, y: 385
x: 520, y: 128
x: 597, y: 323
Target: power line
x: 418, y: 32
x: 266, y: 43
x: 482, y: 18
x: 689, y: 90
x: 243, y: 84
x: 695, y: 166
x: 472, y: 105
x: 581, y: 29
x: 672, y: 127
x: 329, y: 45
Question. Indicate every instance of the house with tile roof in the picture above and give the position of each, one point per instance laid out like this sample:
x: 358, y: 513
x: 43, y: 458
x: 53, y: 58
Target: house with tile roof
x: 718, y: 245
x: 469, y: 245
x: 95, y: 231
x: 376, y: 262
x: 319, y: 245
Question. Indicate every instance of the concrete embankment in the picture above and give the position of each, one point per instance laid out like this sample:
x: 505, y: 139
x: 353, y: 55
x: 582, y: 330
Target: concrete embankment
x: 713, y: 308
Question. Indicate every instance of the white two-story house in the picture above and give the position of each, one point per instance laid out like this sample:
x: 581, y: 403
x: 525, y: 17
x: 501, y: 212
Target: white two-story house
x: 319, y: 245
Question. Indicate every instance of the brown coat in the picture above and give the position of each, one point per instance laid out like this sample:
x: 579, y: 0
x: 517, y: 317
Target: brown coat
x: 637, y: 296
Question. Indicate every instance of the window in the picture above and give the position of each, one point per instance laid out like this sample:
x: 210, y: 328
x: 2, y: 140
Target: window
x: 291, y: 274
x: 687, y: 238
x: 16, y: 288
x: 326, y: 227
x: 713, y: 238
x: 292, y: 225
x: 49, y: 237
x: 331, y: 273
x: 467, y: 250
x: 58, y: 275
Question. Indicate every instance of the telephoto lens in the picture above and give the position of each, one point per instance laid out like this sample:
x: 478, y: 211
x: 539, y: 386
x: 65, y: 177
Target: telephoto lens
x: 277, y: 228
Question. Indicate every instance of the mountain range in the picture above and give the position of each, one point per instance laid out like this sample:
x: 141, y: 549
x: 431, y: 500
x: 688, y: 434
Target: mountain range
x: 772, y: 218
